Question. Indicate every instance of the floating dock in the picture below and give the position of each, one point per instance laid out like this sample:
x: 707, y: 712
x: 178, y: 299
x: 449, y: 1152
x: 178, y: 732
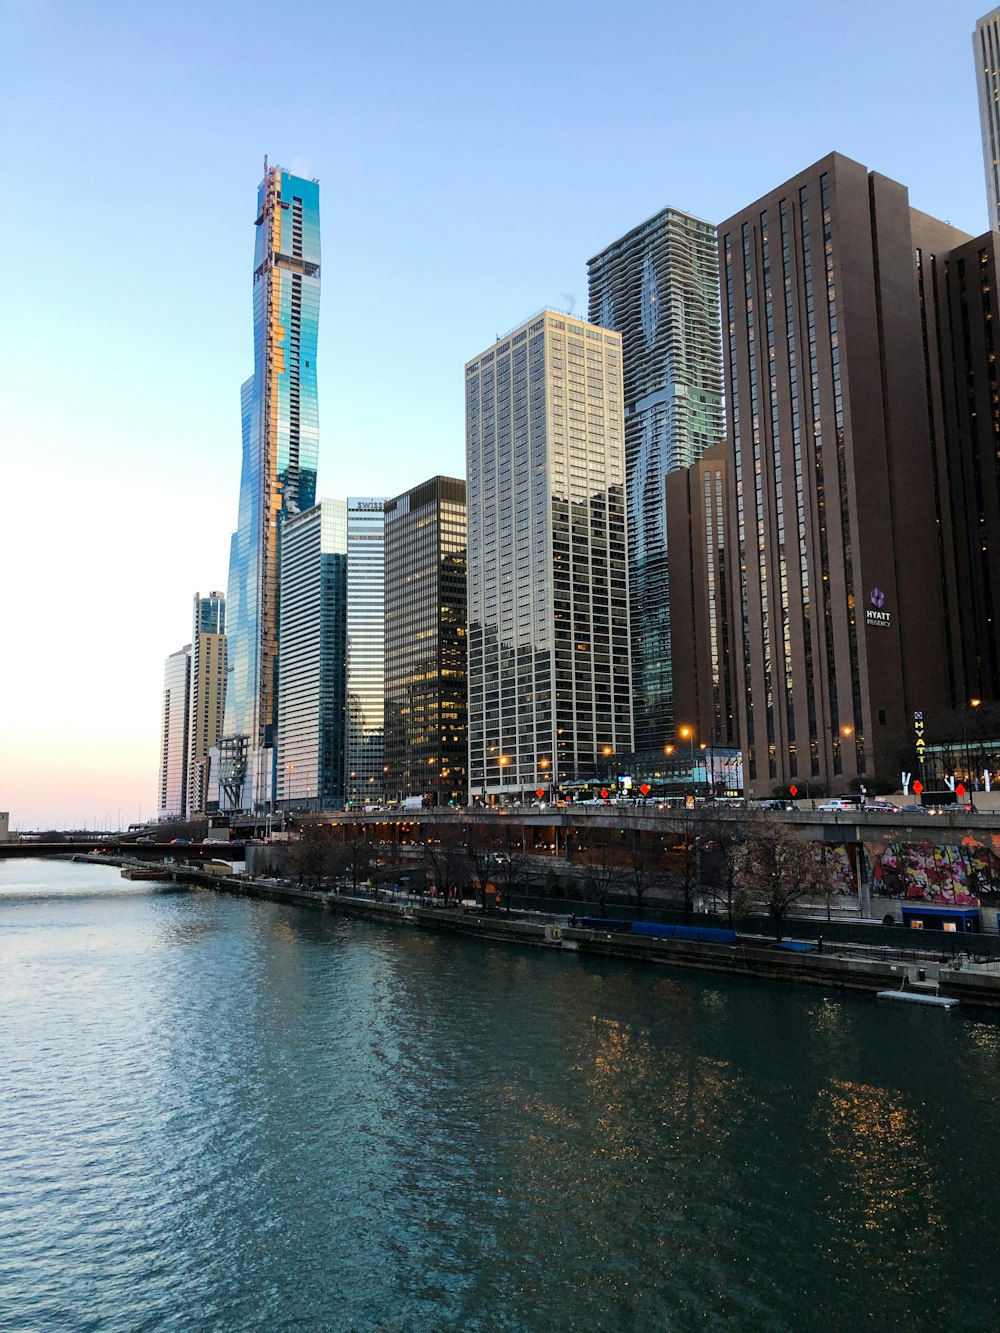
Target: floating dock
x: 915, y: 997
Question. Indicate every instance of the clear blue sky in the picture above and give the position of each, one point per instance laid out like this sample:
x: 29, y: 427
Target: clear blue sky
x: 471, y: 160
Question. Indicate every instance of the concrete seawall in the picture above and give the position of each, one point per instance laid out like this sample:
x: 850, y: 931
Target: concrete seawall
x: 749, y: 957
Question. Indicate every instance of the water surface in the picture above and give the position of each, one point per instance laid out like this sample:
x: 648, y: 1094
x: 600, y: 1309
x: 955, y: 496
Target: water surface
x: 221, y: 1114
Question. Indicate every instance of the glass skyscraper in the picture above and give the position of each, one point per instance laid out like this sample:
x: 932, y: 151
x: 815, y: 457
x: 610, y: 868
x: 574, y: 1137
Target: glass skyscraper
x: 426, y: 709
x: 659, y: 287
x: 280, y: 447
x: 365, y: 749
x: 986, y: 45
x: 313, y: 626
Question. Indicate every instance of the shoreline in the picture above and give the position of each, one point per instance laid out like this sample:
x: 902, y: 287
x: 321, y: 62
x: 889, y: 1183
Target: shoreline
x: 751, y: 956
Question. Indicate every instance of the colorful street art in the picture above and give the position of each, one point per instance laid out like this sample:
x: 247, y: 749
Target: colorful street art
x: 963, y: 874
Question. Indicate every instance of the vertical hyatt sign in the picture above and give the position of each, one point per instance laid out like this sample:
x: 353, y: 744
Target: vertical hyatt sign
x: 877, y: 617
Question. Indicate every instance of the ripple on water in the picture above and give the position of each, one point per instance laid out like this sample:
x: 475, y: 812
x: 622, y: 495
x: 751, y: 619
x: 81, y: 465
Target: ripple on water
x: 225, y: 1115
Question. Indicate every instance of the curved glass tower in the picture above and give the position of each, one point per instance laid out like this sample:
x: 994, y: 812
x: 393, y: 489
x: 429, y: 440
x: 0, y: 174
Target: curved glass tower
x: 658, y: 286
x: 280, y: 448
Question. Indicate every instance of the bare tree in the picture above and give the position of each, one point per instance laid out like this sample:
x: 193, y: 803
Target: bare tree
x: 646, y: 863
x: 511, y: 862
x: 357, y: 853
x: 780, y: 868
x: 685, y: 824
x: 601, y: 870
x: 480, y: 848
x: 305, y: 856
x: 446, y: 860
x: 725, y: 833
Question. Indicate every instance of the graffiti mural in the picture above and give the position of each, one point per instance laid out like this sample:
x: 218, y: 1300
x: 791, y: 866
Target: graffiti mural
x: 963, y: 874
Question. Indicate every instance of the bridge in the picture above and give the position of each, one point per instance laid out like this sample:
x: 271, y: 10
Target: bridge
x: 135, y: 851
x: 827, y: 826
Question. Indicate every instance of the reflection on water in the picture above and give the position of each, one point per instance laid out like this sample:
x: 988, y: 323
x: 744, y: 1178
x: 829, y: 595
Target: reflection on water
x: 229, y: 1115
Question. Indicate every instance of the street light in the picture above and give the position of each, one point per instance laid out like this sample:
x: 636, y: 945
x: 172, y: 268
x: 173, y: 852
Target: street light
x: 966, y: 705
x: 503, y: 761
x: 687, y: 734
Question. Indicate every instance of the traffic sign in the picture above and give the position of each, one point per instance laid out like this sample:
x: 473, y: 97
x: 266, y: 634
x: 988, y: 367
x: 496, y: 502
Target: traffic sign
x: 918, y: 786
x: 793, y: 790
x: 539, y: 792
x: 960, y: 789
x: 645, y: 789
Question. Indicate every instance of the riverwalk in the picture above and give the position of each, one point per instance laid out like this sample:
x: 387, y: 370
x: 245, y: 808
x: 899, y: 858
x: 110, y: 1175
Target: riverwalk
x: 836, y: 966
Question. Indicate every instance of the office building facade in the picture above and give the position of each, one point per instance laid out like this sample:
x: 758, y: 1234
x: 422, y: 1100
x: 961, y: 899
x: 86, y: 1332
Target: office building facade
x: 986, y: 52
x: 280, y: 446
x: 549, y: 665
x: 840, y: 573
x: 364, y: 775
x: 959, y: 312
x: 171, y: 793
x: 311, y: 675
x: 208, y: 694
x: 659, y: 287
x: 701, y: 610
x: 426, y: 730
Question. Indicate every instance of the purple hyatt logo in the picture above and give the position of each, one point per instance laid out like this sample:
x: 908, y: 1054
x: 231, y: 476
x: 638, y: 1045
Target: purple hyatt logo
x: 877, y: 618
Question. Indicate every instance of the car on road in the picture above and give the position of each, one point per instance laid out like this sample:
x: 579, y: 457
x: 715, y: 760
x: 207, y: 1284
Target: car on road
x: 839, y: 803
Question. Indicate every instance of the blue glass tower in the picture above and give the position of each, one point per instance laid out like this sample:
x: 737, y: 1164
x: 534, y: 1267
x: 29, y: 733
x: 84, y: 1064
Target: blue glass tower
x: 658, y: 286
x: 280, y: 448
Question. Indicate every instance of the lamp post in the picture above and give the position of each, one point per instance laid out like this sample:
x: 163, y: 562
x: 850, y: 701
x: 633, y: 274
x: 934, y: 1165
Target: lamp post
x: 503, y: 761
x: 966, y: 705
x: 687, y: 734
x: 543, y: 766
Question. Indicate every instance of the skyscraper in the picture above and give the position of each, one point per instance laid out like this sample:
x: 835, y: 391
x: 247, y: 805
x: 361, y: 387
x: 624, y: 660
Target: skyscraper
x: 426, y: 732
x: 365, y: 746
x: 701, y: 609
x: 171, y: 793
x: 280, y: 447
x: 208, y: 693
x: 986, y: 49
x: 658, y: 286
x: 310, y: 769
x: 549, y: 673
x: 836, y: 345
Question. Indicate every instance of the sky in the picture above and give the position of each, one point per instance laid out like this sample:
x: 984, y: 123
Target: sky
x: 471, y: 160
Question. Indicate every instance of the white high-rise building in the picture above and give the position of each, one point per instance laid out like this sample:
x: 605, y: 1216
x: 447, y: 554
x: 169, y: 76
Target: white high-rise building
x: 549, y: 672
x: 365, y: 740
x: 986, y: 46
x: 313, y: 629
x: 171, y: 795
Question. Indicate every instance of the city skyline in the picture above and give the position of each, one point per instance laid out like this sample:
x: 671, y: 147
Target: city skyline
x: 148, y: 465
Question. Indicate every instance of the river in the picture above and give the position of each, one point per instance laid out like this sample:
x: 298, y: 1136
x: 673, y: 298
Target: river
x: 222, y: 1114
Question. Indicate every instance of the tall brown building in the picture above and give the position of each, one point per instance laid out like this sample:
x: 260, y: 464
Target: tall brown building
x: 862, y: 414
x: 701, y: 610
